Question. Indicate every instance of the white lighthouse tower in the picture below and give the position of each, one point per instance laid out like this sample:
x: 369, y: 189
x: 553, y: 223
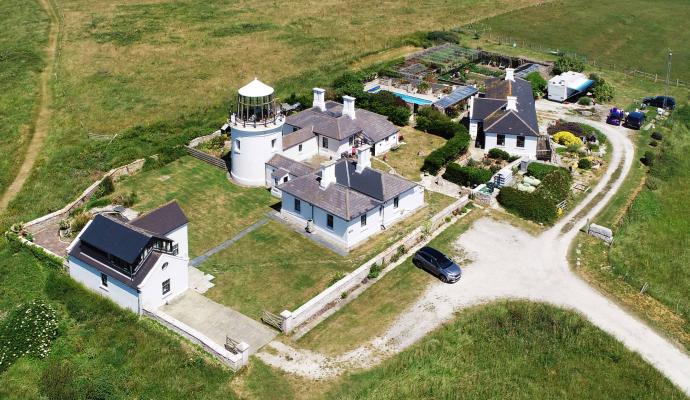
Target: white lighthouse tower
x: 256, y: 130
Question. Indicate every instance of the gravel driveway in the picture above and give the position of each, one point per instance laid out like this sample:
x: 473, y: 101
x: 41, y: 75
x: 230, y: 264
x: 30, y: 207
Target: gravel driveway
x: 508, y: 263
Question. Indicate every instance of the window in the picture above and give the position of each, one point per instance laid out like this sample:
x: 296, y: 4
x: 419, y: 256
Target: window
x: 329, y: 221
x: 520, y: 141
x: 104, y: 280
x: 237, y: 144
x: 298, y: 205
x: 165, y: 265
x: 501, y: 140
x: 396, y: 201
x: 324, y: 142
x: 363, y: 220
x: 351, y: 140
x: 299, y: 148
x: 273, y: 144
x: 166, y: 286
x: 285, y: 179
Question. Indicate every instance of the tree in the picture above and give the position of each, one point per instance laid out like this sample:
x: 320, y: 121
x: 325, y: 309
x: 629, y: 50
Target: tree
x: 602, y: 90
x: 568, y: 63
x: 538, y: 83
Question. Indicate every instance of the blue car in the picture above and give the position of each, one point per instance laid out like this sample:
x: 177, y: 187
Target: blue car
x: 634, y: 120
x: 437, y: 264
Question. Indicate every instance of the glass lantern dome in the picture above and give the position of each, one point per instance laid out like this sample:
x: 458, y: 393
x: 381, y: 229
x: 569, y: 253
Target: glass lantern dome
x: 256, y: 104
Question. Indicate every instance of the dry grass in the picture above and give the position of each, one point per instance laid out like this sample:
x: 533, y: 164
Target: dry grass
x: 407, y: 160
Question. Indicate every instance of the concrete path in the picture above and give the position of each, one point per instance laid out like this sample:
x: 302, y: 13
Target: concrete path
x: 199, y: 281
x: 216, y: 321
x: 509, y: 263
x: 198, y: 260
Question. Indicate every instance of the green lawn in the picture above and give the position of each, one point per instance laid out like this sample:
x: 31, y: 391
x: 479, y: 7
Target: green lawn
x: 274, y: 268
x: 631, y: 33
x: 217, y: 208
x: 101, y: 352
x: 374, y: 310
x: 405, y: 160
x: 515, y: 350
x: 24, y: 27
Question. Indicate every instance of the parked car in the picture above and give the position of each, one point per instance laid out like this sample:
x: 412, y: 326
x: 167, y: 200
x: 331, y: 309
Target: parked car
x: 437, y: 264
x: 666, y: 102
x: 634, y: 120
x: 615, y: 116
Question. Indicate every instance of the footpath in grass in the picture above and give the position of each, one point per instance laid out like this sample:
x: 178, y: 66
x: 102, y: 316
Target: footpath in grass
x: 101, y: 351
x: 217, y: 208
x: 24, y: 26
x: 274, y: 268
x: 374, y: 310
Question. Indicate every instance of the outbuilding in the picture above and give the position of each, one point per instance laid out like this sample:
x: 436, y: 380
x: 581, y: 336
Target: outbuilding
x: 567, y: 85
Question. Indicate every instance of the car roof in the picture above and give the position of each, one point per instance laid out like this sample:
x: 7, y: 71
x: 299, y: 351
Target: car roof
x: 432, y: 252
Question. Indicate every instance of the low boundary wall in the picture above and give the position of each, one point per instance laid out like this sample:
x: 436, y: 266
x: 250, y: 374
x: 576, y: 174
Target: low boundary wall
x: 232, y: 360
x: 324, y: 300
x: 191, y: 148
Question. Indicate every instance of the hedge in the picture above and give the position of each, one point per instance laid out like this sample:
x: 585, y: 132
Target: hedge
x: 540, y: 170
x: 432, y: 121
x: 466, y: 176
x: 448, y: 152
x: 540, y: 205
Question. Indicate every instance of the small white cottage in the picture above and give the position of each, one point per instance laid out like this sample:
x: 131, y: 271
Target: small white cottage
x: 348, y: 201
x: 138, y: 264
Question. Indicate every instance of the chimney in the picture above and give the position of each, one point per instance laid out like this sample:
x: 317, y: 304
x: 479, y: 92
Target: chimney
x: 349, y: 106
x: 512, y: 103
x: 327, y: 174
x: 510, y: 74
x: 319, y: 99
x: 363, y: 158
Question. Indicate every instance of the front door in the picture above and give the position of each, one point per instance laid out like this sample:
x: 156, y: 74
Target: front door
x: 479, y: 141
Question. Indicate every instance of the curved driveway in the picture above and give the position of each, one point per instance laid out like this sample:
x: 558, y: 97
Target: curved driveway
x: 508, y: 263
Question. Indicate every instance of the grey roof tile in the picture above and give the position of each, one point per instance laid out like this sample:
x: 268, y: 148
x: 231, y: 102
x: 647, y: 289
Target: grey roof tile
x: 295, y: 168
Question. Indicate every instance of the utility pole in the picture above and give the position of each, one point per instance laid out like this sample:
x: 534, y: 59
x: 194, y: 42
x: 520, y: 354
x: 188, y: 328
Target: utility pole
x: 668, y: 76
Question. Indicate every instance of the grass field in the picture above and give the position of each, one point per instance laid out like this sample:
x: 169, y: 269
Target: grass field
x: 516, y: 350
x: 216, y: 208
x: 101, y: 351
x: 632, y: 33
x: 274, y: 268
x: 374, y: 310
x: 25, y: 34
x: 158, y: 73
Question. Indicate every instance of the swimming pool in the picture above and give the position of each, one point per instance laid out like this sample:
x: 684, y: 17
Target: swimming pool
x: 406, y: 97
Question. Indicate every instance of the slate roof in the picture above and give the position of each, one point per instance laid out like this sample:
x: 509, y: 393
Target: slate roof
x: 162, y: 220
x: 352, y: 194
x: 114, y: 237
x: 297, y: 137
x: 331, y: 123
x: 296, y: 168
x: 496, y: 119
x: 99, y: 261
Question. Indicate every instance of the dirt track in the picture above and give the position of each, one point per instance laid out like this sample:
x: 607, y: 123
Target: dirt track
x: 43, y: 114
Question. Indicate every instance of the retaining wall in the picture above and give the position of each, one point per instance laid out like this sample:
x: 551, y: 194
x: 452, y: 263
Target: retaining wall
x: 39, y: 223
x: 326, y: 298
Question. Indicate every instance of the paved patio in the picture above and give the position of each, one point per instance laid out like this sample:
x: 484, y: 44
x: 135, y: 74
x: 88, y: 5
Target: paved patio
x: 216, y: 321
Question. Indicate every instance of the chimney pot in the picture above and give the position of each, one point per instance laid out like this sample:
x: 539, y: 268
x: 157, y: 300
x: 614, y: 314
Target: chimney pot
x: 510, y: 74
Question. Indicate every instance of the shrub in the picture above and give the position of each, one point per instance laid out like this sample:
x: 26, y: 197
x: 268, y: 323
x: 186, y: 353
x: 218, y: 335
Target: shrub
x: 648, y: 158
x: 432, y: 121
x: 125, y: 199
x: 584, y: 163
x: 657, y: 136
x: 567, y: 139
x: 538, y: 83
x: 499, y: 154
x: 448, y: 152
x: 467, y: 176
x: 336, y: 277
x: 106, y: 187
x: 584, y: 101
x: 374, y: 271
x: 443, y: 36
x: 653, y: 143
x: 540, y: 205
x: 540, y: 170
x: 601, y: 90
x: 79, y: 221
x: 572, y: 127
x: 568, y: 63
x: 29, y: 330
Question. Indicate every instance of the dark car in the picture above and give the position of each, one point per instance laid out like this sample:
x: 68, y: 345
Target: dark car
x: 634, y: 120
x: 438, y: 264
x: 667, y: 102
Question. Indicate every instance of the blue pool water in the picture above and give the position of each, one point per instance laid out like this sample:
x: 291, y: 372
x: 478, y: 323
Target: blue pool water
x: 407, y: 98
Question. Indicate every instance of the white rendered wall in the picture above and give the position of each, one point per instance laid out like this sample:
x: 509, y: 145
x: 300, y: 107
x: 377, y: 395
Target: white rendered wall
x: 319, y: 216
x: 180, y: 237
x: 247, y: 164
x: 335, y: 147
x: 408, y: 202
x: 386, y: 144
x: 530, y: 149
x: 123, y: 295
x: 309, y: 149
x: 356, y: 233
x: 151, y: 289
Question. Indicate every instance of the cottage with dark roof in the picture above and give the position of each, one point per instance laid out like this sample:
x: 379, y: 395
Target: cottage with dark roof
x: 348, y: 201
x: 139, y: 264
x: 506, y: 117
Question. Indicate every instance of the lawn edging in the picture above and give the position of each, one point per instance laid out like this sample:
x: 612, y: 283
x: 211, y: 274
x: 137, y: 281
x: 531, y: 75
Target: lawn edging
x: 319, y: 307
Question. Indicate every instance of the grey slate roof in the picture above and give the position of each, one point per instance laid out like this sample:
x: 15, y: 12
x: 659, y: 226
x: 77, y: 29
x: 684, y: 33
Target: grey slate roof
x: 297, y: 137
x: 353, y: 194
x: 114, y: 237
x: 162, y: 220
x: 331, y: 123
x: 491, y: 109
x: 296, y: 168
x: 99, y: 261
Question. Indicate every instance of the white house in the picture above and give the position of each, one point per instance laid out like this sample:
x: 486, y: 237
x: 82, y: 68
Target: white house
x: 281, y: 169
x: 568, y: 84
x: 138, y: 264
x: 506, y: 117
x: 348, y: 201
